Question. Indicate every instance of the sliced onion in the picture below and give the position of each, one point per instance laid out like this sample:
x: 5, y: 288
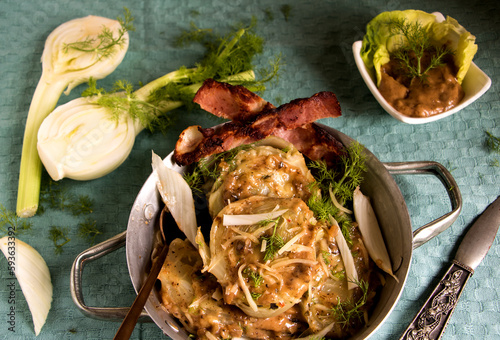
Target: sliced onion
x: 33, y: 276
x: 370, y: 231
x: 178, y: 197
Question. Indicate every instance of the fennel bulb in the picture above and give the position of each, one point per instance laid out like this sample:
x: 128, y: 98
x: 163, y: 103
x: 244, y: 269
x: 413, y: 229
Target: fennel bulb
x: 33, y: 276
x: 69, y: 129
x: 74, y: 52
x: 79, y: 141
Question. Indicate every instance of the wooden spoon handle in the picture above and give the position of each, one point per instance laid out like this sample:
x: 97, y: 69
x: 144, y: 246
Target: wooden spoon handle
x: 130, y: 320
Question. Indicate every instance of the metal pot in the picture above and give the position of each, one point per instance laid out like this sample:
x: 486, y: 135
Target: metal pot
x: 379, y: 184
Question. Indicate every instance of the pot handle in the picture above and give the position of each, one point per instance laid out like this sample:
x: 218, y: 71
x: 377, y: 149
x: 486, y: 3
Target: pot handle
x: 433, y: 228
x: 89, y: 255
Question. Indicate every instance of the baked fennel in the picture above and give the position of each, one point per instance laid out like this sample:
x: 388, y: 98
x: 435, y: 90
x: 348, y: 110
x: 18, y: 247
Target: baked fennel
x: 74, y: 52
x: 91, y: 136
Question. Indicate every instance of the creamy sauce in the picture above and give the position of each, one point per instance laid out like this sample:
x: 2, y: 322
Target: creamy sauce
x: 281, y: 286
x: 191, y: 297
x: 264, y: 171
x: 300, y: 287
x: 438, y: 92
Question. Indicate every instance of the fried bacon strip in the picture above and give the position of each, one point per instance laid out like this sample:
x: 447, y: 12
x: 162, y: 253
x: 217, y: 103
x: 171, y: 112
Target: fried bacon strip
x: 314, y: 142
x: 228, y: 101
x: 291, y: 121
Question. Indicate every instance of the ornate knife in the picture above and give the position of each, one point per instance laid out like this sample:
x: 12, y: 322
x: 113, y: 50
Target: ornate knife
x: 432, y: 319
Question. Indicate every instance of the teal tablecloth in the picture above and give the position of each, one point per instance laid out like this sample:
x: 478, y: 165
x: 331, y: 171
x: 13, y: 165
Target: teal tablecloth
x: 315, y: 41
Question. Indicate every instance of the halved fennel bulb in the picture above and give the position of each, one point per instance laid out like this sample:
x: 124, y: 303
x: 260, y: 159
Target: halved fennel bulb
x: 33, y: 276
x: 64, y: 67
x: 79, y: 140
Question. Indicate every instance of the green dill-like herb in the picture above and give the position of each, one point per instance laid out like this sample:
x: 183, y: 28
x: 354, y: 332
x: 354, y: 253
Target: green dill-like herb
x: 88, y: 230
x: 122, y: 98
x: 415, y: 43
x: 256, y: 278
x: 325, y: 256
x: 194, y: 34
x: 195, y: 181
x: 9, y: 221
x: 342, y: 182
x: 194, y: 13
x: 354, y: 169
x: 268, y: 14
x: 83, y: 205
x: 208, y: 169
x: 348, y: 311
x: 274, y: 242
x: 338, y: 274
x: 59, y: 237
x: 287, y: 11
x: 105, y: 43
x: 493, y: 142
x: 268, y: 221
x: 92, y: 89
x: 493, y: 145
x: 56, y: 196
x: 225, y: 58
x: 322, y: 207
x: 255, y: 296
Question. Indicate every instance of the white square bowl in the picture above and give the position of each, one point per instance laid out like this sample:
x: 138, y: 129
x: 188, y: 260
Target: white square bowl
x: 475, y: 84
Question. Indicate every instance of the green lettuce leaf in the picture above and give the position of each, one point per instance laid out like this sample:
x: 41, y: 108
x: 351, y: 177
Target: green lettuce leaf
x: 378, y: 41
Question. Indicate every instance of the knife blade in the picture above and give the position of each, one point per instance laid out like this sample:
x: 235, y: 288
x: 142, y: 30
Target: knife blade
x: 430, y: 322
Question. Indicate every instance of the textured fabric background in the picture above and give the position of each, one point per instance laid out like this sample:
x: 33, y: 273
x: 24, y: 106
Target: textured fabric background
x: 315, y: 43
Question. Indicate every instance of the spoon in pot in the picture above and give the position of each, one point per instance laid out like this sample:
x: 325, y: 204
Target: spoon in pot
x: 130, y: 320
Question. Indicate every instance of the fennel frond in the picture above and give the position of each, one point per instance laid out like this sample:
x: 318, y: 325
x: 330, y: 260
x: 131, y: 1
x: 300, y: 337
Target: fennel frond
x: 88, y: 230
x: 58, y: 236
x: 493, y: 142
x: 415, y: 42
x: 274, y: 242
x: 351, y: 310
x: 11, y: 224
x: 104, y: 44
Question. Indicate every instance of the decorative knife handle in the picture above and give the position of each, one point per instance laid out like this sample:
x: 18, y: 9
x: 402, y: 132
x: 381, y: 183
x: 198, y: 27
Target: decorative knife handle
x: 432, y: 319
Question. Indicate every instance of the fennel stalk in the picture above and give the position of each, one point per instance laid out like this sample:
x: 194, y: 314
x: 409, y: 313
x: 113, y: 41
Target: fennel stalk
x: 65, y: 64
